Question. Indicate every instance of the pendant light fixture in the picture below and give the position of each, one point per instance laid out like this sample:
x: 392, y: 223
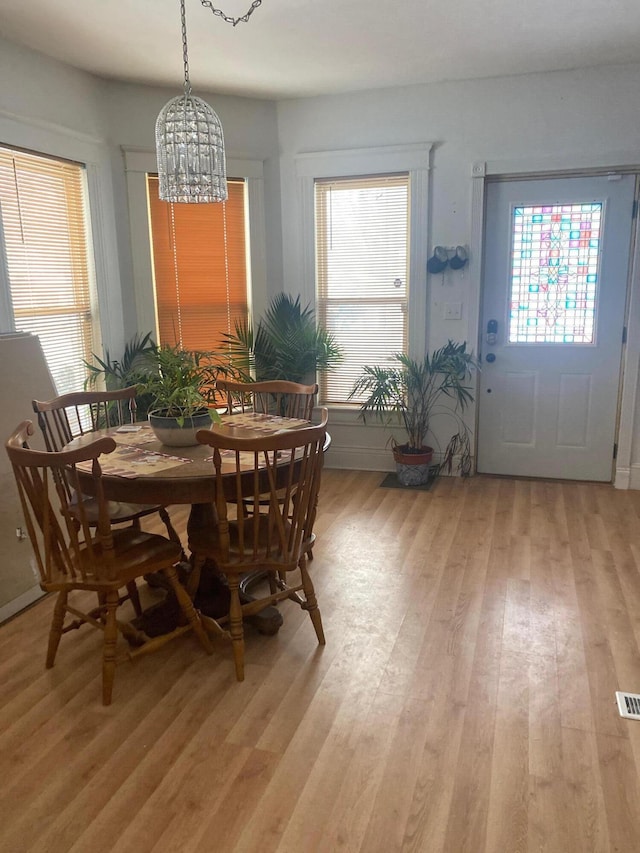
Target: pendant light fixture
x: 189, y: 140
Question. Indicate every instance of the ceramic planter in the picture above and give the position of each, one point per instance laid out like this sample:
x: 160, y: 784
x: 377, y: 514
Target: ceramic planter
x: 412, y: 469
x: 170, y: 432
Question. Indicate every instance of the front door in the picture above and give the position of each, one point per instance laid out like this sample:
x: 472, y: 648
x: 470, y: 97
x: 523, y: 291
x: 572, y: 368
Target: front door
x: 556, y: 262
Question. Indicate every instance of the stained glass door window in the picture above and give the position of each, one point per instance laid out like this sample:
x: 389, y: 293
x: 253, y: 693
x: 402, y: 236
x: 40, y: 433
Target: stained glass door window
x: 554, y: 273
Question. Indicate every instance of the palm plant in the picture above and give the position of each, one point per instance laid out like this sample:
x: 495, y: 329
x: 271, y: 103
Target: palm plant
x: 286, y: 344
x: 116, y: 373
x: 410, y: 392
x: 119, y: 373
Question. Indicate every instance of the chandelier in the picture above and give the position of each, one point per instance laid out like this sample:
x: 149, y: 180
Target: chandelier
x: 189, y: 141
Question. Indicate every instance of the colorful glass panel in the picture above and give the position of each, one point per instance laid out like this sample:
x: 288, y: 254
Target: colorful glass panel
x: 555, y: 273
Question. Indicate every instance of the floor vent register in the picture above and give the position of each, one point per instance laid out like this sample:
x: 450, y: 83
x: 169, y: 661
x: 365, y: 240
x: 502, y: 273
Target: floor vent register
x: 628, y: 705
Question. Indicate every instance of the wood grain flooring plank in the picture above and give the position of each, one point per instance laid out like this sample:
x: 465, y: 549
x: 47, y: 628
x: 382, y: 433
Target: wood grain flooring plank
x: 476, y: 634
x: 507, y: 814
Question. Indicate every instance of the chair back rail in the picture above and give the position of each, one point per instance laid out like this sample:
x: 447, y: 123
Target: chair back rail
x: 70, y: 415
x: 279, y: 396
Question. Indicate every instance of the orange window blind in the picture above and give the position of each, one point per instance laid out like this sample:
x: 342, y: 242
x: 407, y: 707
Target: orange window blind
x: 200, y: 267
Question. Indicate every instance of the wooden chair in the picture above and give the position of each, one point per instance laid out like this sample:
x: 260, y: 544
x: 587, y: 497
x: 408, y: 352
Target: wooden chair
x: 70, y: 415
x: 74, y: 553
x: 287, y: 467
x: 278, y: 397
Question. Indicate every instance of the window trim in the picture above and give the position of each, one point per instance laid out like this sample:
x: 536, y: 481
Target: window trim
x: 138, y: 163
x: 385, y: 201
x: 70, y: 179
x: 413, y: 158
x: 51, y: 140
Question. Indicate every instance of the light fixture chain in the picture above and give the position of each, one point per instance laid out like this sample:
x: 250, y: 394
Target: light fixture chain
x: 229, y: 20
x: 185, y: 56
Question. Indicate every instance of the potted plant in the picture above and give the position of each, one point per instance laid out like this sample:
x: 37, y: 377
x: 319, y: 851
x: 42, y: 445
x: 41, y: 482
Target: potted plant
x: 122, y: 372
x: 286, y: 344
x: 409, y: 393
x: 180, y: 384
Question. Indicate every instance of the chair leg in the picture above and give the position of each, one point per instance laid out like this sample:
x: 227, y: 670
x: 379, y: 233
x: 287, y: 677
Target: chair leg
x: 186, y: 605
x: 193, y: 581
x: 109, y: 645
x: 57, y: 623
x: 134, y: 597
x: 171, y: 531
x: 311, y: 604
x: 236, y: 628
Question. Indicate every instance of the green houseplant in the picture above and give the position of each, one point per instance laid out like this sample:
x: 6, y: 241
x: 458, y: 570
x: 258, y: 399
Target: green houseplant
x: 180, y: 386
x: 409, y: 393
x: 124, y: 371
x: 114, y: 373
x: 285, y: 344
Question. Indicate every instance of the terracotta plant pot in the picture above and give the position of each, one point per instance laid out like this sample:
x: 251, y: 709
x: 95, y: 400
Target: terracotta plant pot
x: 412, y: 469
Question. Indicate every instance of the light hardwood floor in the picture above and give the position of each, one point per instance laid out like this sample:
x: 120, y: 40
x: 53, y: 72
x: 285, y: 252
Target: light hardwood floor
x: 476, y: 636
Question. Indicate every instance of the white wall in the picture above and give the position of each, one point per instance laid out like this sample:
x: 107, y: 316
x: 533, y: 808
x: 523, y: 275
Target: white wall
x: 555, y: 121
x: 48, y: 107
x: 535, y: 122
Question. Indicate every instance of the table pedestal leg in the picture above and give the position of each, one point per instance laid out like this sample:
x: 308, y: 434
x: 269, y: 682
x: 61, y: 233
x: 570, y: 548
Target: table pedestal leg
x: 212, y: 595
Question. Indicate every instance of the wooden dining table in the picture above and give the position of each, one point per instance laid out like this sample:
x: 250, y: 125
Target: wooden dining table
x: 142, y: 470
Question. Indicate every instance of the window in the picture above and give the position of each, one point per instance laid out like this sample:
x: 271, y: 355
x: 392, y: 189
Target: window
x: 554, y: 273
x: 48, y: 258
x: 362, y: 269
x: 200, y: 267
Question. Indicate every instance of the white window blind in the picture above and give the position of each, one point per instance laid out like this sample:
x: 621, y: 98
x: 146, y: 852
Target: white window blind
x: 362, y: 263
x: 44, y: 223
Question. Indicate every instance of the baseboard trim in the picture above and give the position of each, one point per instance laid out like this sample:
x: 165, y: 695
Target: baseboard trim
x: 367, y: 459
x: 12, y: 607
x: 628, y: 478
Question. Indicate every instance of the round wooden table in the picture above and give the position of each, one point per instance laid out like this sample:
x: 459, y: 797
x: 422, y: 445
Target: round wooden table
x: 142, y: 470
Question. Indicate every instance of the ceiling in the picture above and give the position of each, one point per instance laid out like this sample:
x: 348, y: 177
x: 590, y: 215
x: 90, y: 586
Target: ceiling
x: 300, y: 48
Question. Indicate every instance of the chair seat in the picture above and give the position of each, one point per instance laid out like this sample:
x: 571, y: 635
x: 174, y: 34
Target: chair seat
x: 207, y: 539
x: 119, y: 512
x: 135, y: 553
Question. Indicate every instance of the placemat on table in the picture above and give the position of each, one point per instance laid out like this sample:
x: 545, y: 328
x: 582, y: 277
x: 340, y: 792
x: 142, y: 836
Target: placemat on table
x: 261, y: 422
x: 134, y: 434
x: 127, y: 461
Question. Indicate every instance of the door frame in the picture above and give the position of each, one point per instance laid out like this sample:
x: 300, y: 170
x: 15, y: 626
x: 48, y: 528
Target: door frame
x: 627, y: 471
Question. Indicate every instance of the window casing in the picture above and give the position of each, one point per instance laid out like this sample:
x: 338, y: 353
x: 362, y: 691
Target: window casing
x: 200, y: 267
x: 299, y: 229
x: 49, y: 259
x: 362, y: 227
